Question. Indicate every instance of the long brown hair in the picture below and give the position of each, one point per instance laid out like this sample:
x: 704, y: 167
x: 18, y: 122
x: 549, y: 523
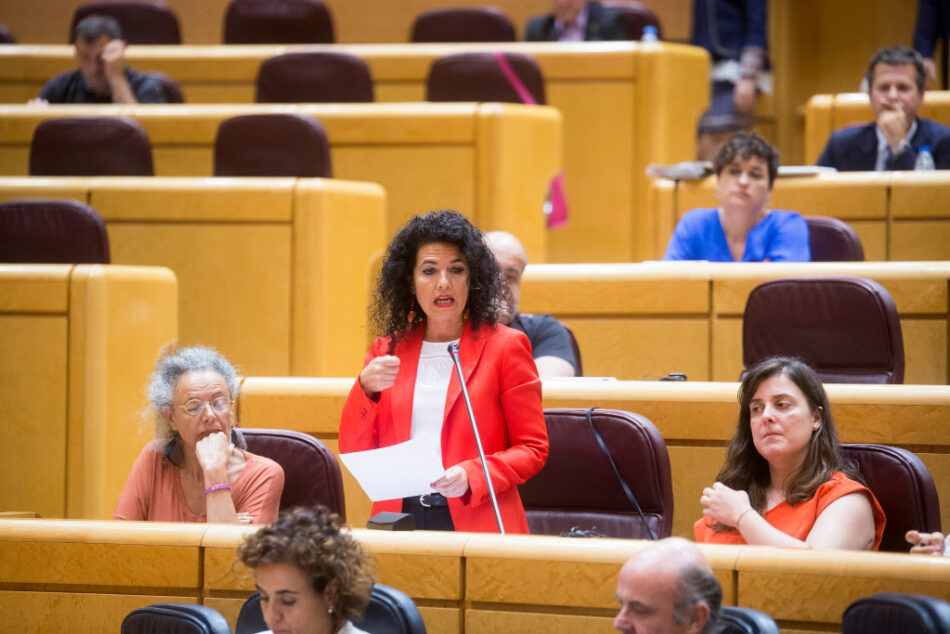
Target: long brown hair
x: 745, y: 469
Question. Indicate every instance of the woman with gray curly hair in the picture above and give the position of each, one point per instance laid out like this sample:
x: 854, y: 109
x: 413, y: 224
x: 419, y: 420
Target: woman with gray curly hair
x: 197, y: 469
x: 311, y: 573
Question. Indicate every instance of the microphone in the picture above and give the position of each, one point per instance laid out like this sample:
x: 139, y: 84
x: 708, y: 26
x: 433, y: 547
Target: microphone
x: 454, y: 353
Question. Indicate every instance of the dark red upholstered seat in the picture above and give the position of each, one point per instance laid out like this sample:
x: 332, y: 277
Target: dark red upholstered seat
x: 463, y: 24
x: 833, y: 240
x: 170, y: 87
x: 277, y: 22
x: 846, y: 327
x: 271, y: 145
x: 142, y: 22
x: 90, y: 146
x: 311, y: 472
x: 577, y: 486
x: 52, y: 230
x: 635, y: 16
x: 903, y: 486
x: 890, y: 612
x: 314, y: 77
x: 477, y: 77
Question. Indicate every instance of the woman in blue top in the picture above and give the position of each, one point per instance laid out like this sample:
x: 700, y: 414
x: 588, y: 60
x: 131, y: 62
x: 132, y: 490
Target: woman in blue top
x: 742, y: 228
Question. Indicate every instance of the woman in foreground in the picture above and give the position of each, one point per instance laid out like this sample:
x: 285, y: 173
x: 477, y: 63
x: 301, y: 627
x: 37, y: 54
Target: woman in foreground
x: 312, y: 575
x: 785, y: 482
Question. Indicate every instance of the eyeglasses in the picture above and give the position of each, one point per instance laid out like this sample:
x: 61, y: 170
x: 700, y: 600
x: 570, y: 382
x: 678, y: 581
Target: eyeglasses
x: 195, y: 406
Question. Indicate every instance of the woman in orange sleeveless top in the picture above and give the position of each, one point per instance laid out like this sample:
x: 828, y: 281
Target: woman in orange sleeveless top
x: 785, y: 482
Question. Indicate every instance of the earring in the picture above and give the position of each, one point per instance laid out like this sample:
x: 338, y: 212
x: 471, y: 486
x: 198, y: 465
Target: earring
x: 465, y: 314
x: 330, y: 610
x: 412, y: 316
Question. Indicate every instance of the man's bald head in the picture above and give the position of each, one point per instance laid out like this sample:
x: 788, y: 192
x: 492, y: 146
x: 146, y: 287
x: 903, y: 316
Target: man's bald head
x: 668, y: 588
x: 511, y: 258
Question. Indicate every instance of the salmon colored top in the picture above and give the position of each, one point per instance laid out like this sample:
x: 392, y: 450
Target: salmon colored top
x: 153, y: 491
x: 797, y: 520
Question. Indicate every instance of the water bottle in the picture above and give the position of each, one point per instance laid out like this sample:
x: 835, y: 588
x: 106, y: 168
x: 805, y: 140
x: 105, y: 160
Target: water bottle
x: 925, y: 160
x: 650, y: 34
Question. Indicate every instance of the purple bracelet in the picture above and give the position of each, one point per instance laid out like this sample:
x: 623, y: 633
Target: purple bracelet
x: 217, y: 487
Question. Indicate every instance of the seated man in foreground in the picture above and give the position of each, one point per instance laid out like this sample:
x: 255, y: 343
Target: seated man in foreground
x: 896, y: 79
x: 102, y: 76
x: 668, y: 587
x: 550, y: 341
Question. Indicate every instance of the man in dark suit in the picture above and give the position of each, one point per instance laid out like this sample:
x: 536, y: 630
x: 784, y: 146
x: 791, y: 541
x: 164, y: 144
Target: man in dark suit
x: 896, y: 79
x: 576, y: 21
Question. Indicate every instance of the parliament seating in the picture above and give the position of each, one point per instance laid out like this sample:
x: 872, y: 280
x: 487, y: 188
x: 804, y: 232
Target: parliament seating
x: 90, y: 146
x: 902, y: 485
x: 311, y: 472
x: 899, y: 216
x: 274, y: 273
x: 283, y: 22
x: 314, y: 77
x: 462, y: 24
x: 696, y: 419
x: 635, y: 16
x: 180, y: 618
x: 624, y: 105
x: 77, y: 344
x: 887, y: 612
x: 492, y: 162
x: 170, y: 88
x: 91, y: 574
x: 833, y: 240
x: 847, y: 328
x: 479, y: 77
x: 272, y: 144
x: 141, y: 22
x: 563, y: 496
x: 736, y: 620
x: 646, y: 320
x: 52, y: 231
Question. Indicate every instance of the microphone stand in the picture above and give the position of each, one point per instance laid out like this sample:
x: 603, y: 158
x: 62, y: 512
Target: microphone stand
x: 454, y: 353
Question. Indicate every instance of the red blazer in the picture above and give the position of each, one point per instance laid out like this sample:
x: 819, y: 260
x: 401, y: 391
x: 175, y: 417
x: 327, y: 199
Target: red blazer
x: 505, y: 390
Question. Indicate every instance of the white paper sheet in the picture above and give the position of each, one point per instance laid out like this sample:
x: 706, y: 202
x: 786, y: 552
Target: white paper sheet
x: 398, y: 471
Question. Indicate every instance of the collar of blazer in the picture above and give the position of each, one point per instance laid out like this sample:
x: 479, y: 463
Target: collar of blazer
x: 471, y: 345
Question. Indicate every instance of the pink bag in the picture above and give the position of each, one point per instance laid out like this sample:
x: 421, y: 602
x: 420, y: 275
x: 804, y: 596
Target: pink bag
x: 556, y: 205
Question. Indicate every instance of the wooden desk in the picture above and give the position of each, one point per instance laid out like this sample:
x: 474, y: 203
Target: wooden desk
x: 273, y: 272
x: 426, y: 156
x: 624, y: 105
x: 77, y: 344
x: 696, y: 419
x: 899, y: 216
x: 91, y: 574
x: 645, y: 320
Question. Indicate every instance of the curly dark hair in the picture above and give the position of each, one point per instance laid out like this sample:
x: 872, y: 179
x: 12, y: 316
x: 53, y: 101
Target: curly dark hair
x: 393, y: 299
x: 745, y: 146
x: 745, y: 469
x: 332, y: 560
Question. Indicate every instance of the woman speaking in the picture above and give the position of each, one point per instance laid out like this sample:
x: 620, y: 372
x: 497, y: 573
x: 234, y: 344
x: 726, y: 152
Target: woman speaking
x: 440, y: 284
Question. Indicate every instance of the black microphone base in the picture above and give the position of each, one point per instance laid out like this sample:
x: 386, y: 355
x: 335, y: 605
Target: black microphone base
x: 389, y: 521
